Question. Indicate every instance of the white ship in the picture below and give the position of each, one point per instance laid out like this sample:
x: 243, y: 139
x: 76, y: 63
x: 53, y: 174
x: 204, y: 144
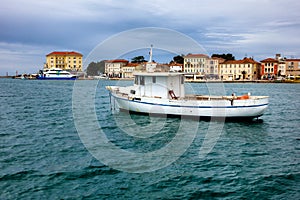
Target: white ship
x: 55, y: 74
x: 163, y: 93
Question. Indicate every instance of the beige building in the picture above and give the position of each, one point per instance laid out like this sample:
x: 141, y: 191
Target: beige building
x: 239, y: 69
x: 292, y: 67
x: 195, y: 63
x: 127, y: 70
x: 71, y: 61
x: 113, y: 68
x: 201, y: 65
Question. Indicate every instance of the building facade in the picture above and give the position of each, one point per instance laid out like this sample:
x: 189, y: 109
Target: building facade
x: 195, y: 63
x: 128, y: 70
x: 176, y: 67
x: 239, y: 69
x: 113, y: 68
x: 71, y: 61
x: 212, y: 68
x: 269, y: 68
x: 292, y: 67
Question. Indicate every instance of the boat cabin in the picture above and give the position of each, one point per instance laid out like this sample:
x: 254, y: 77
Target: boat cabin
x: 159, y: 85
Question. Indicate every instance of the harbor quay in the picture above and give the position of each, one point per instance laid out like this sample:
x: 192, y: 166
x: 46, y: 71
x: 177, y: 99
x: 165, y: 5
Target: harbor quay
x: 196, y: 68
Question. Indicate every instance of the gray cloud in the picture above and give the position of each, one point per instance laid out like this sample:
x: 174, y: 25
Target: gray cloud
x: 258, y: 28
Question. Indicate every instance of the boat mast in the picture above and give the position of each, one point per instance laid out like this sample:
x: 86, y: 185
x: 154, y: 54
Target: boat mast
x: 150, y: 59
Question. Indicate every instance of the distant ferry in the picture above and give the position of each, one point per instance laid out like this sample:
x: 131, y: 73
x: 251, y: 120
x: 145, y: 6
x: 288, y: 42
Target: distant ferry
x: 55, y: 74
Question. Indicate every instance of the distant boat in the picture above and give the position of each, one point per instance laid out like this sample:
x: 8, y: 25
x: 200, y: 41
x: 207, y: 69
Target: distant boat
x: 102, y: 76
x: 23, y: 77
x: 55, y: 74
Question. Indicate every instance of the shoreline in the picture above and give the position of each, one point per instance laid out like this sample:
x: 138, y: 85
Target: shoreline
x: 187, y: 81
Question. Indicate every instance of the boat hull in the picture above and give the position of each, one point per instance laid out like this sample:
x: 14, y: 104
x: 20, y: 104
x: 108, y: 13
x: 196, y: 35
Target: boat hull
x: 250, y: 108
x: 57, y: 78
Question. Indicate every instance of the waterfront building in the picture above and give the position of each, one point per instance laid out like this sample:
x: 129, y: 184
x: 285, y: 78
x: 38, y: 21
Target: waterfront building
x: 269, y: 68
x: 195, y: 63
x: 113, y: 67
x: 176, y: 67
x: 212, y: 68
x: 128, y: 69
x: 66, y: 60
x: 281, y: 71
x: 246, y: 68
x: 292, y: 67
x: 281, y: 68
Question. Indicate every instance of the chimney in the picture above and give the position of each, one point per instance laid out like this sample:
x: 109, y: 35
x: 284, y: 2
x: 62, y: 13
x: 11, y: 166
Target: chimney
x: 278, y: 56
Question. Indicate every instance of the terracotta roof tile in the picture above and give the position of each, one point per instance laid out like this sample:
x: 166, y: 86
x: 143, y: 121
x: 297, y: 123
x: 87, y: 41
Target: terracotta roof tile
x: 269, y: 60
x: 117, y: 61
x: 132, y: 64
x: 293, y: 59
x: 64, y: 53
x: 196, y: 56
x: 244, y: 61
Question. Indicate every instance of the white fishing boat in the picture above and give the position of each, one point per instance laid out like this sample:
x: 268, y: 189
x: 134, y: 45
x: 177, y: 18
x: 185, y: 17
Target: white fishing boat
x: 55, y: 74
x: 163, y: 93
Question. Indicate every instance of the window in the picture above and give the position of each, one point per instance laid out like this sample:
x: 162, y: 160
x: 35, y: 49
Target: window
x: 142, y: 80
x: 153, y: 79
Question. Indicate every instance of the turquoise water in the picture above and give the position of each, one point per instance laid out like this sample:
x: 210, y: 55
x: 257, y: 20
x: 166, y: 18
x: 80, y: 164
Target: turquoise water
x: 43, y: 157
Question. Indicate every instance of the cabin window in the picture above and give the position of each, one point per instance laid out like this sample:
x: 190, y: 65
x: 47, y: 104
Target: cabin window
x: 136, y: 80
x: 182, y: 79
x: 153, y: 79
x: 142, y: 80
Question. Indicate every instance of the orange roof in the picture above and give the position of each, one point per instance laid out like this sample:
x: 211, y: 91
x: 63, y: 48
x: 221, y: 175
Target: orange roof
x: 244, y: 61
x: 269, y: 60
x: 64, y: 53
x: 293, y: 59
x: 132, y: 64
x: 117, y: 61
x: 196, y: 56
x: 175, y: 64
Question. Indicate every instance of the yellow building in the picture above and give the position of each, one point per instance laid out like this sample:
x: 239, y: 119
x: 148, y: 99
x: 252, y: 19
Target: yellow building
x: 66, y: 60
x: 239, y: 69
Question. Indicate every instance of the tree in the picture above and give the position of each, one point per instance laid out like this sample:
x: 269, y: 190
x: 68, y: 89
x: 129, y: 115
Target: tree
x: 244, y: 74
x: 138, y: 59
x: 228, y: 56
x: 96, y: 68
x: 279, y: 73
x: 178, y: 59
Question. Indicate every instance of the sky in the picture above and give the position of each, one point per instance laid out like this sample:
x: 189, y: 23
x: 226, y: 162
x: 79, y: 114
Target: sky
x: 31, y: 29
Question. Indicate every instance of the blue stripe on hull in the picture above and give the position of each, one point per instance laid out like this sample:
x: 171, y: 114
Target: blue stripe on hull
x: 63, y: 78
x: 182, y: 106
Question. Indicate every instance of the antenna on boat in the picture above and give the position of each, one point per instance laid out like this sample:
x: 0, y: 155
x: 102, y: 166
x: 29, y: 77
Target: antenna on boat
x: 150, y: 59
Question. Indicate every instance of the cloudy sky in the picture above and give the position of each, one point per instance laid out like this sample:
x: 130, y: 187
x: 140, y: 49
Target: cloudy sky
x: 33, y: 28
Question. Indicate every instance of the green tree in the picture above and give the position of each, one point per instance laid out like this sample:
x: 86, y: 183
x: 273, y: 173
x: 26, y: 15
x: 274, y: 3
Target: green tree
x: 138, y: 59
x: 178, y: 59
x: 244, y: 74
x: 96, y: 68
x: 228, y: 56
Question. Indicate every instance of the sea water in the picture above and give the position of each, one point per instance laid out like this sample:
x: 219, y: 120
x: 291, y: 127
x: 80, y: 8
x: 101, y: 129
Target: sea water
x: 43, y: 155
